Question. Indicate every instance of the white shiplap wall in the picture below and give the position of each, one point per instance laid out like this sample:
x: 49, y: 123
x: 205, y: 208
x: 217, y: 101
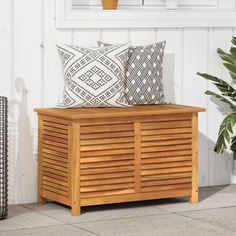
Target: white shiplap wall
x: 30, y: 75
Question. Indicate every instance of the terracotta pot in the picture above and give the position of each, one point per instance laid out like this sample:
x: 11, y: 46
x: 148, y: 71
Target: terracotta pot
x: 109, y: 4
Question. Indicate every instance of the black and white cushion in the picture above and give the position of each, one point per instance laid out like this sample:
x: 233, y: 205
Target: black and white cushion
x: 143, y: 82
x: 94, y: 77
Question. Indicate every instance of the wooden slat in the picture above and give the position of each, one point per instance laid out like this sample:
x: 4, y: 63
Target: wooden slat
x: 56, y: 197
x: 107, y: 187
x: 166, y: 137
x: 55, y: 167
x: 165, y: 159
x: 166, y: 165
x: 53, y: 134
x: 107, y: 141
x: 55, y: 125
x: 166, y: 176
x: 106, y: 158
x: 56, y: 120
x: 55, y: 153
x: 107, y: 164
x: 137, y: 136
x: 166, y: 187
x: 56, y: 181
x: 55, y: 158
x: 107, y: 175
x: 107, y: 193
x: 164, y: 171
x: 56, y: 130
x: 106, y: 147
x: 55, y: 176
x: 166, y: 142
x: 58, y: 149
x: 133, y: 119
x: 107, y: 181
x: 107, y: 135
x: 54, y: 171
x: 166, y: 182
x: 53, y: 190
x: 107, y: 170
x: 56, y: 163
x: 166, y: 131
x: 106, y: 128
x: 107, y: 152
x: 166, y: 148
x: 56, y: 186
x: 169, y: 124
x: 96, y: 200
x: 55, y: 139
x: 56, y: 144
x: 167, y: 153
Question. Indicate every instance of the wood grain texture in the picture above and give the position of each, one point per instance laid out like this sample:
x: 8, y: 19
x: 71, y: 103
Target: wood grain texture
x: 114, y: 161
x: 194, y: 195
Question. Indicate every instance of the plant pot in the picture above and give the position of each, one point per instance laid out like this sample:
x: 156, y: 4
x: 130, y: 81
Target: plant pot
x: 109, y: 4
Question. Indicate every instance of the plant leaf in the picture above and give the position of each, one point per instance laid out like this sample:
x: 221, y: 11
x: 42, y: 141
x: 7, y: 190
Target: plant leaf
x: 225, y: 132
x: 225, y: 88
x: 222, y: 99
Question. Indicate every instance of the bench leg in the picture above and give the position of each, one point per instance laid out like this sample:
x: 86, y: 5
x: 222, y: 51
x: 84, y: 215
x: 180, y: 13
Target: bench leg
x: 75, y: 210
x: 194, y: 197
x: 41, y: 200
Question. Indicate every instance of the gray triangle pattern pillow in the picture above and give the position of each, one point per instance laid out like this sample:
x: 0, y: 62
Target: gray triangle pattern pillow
x: 144, y: 69
x: 93, y: 77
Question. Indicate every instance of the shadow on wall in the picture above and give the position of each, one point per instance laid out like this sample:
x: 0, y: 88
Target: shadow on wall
x: 169, y: 77
x: 22, y: 147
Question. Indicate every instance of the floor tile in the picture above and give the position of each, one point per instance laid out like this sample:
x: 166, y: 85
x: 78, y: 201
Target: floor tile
x: 209, y: 198
x: 21, y: 218
x: 223, y: 217
x: 96, y: 213
x: 62, y: 230
x: 159, y: 225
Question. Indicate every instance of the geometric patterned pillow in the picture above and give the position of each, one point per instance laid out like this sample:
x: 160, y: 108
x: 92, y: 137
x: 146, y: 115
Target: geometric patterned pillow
x: 94, y: 77
x: 143, y: 82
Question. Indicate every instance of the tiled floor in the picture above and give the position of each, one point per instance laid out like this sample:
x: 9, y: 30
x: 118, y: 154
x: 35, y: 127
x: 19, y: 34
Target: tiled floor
x: 214, y: 215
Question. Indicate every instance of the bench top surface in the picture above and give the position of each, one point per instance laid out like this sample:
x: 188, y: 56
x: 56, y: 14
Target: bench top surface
x: 84, y: 113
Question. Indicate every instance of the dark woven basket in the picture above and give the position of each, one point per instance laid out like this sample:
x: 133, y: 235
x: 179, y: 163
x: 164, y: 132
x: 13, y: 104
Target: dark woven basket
x: 3, y: 158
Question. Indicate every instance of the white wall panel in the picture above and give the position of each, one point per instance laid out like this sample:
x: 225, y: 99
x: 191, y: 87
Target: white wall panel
x: 195, y: 42
x: 220, y: 166
x: 27, y: 86
x: 33, y: 77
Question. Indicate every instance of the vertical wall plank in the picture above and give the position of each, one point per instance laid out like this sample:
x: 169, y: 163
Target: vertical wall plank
x: 227, y: 4
x: 195, y: 43
x: 115, y: 36
x: 220, y: 166
x: 27, y: 82
x: 173, y: 59
x: 86, y: 38
x: 143, y: 36
x: 53, y: 77
x: 6, y: 75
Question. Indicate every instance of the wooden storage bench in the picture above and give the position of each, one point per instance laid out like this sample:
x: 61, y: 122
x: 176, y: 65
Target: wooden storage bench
x: 90, y: 156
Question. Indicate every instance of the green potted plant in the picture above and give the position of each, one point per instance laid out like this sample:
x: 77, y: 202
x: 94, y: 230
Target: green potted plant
x: 227, y: 95
x: 109, y: 4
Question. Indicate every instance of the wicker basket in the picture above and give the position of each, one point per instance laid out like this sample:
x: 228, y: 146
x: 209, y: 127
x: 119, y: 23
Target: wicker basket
x: 3, y: 158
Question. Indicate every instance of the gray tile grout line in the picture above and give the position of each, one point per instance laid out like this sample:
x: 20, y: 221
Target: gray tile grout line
x: 201, y: 221
x: 37, y: 227
x: 84, y: 229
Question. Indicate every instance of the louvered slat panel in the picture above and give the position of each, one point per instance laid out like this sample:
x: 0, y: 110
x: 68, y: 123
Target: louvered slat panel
x: 166, y: 149
x: 107, y: 159
x: 55, y: 164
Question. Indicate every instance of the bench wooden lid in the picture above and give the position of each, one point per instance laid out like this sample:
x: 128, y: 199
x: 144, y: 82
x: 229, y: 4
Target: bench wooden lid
x: 85, y: 113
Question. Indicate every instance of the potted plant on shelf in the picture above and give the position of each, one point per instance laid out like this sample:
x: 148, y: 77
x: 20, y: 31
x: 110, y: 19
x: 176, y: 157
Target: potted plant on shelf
x: 109, y: 4
x: 227, y: 95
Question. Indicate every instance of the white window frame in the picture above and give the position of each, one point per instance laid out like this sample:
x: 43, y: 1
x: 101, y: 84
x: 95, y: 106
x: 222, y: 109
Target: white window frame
x: 141, y: 18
